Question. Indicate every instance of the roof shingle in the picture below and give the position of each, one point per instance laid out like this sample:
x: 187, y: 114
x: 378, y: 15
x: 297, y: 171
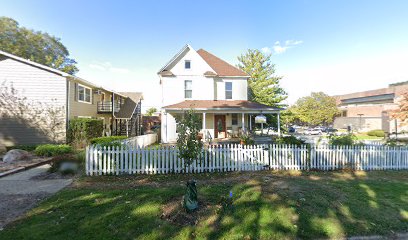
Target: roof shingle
x: 221, y: 67
x: 215, y: 104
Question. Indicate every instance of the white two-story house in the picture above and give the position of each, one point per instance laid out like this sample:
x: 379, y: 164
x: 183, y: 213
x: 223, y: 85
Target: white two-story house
x: 212, y: 87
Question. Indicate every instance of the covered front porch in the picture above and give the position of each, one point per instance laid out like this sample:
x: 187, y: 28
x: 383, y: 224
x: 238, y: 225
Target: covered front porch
x: 221, y: 121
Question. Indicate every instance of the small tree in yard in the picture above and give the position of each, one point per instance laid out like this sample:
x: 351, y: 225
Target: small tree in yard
x: 189, y: 148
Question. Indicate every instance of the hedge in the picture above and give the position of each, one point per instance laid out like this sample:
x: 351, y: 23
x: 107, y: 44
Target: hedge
x: 48, y: 150
x: 82, y: 130
x: 108, y: 141
x: 290, y: 140
x: 376, y: 133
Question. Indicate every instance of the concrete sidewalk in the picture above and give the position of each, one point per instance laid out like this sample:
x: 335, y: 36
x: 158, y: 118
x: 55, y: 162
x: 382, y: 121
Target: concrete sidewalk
x: 20, y: 192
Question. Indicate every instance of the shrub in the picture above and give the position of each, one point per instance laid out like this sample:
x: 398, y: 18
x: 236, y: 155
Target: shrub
x: 82, y: 130
x: 376, y: 133
x: 290, y: 140
x: 28, y: 148
x: 48, y: 150
x: 106, y: 140
x: 247, y: 139
x: 343, y: 140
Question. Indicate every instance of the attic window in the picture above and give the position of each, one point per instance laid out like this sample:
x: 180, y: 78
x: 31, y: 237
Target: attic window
x: 187, y: 64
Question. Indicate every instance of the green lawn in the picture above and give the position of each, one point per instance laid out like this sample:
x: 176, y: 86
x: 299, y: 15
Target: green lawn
x: 366, y: 137
x: 267, y: 205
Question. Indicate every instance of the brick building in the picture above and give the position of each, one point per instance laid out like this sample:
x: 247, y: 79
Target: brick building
x: 368, y: 110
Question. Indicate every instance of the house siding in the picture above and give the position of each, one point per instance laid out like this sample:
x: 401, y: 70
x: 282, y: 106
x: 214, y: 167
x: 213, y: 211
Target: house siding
x: 28, y: 121
x: 81, y: 109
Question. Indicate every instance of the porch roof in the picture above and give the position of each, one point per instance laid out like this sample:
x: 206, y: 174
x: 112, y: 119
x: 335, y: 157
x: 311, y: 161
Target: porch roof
x: 222, y: 106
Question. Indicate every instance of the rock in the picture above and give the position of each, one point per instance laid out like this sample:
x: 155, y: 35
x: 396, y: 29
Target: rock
x: 68, y: 167
x: 15, y: 155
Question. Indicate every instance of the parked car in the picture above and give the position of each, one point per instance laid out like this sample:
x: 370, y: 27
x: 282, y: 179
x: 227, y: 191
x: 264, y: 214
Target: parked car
x: 291, y: 130
x: 330, y: 130
x: 312, y: 131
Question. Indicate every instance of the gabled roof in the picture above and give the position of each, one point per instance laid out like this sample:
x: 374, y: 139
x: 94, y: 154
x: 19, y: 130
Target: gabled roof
x: 185, y: 48
x: 130, y: 104
x: 56, y: 71
x: 29, y: 62
x: 221, y: 67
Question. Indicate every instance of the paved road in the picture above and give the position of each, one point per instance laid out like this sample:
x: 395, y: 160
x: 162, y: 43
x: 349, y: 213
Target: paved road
x: 20, y: 192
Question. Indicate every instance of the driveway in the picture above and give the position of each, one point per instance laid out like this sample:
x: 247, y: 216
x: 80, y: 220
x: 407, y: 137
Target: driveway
x: 22, y: 191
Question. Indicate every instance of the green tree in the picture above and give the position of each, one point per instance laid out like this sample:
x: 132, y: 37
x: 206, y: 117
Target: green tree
x: 263, y: 84
x: 150, y: 111
x: 316, y: 109
x: 188, y: 144
x: 37, y: 46
x: 189, y: 148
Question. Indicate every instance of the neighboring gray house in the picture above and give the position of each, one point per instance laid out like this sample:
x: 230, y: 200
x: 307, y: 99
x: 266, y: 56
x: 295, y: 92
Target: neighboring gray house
x: 37, y: 102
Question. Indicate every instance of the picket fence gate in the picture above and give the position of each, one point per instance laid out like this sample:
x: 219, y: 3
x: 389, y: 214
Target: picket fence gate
x: 235, y: 157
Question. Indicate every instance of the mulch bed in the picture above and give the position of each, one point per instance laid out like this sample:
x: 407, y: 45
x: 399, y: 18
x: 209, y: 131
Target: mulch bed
x: 174, y: 213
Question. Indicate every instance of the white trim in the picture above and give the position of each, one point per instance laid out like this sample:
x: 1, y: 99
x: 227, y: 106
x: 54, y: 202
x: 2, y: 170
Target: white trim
x: 88, y: 117
x: 90, y: 92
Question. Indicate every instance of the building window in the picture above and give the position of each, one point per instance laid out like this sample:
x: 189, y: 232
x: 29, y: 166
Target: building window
x: 234, y: 119
x: 228, y: 90
x: 84, y: 94
x: 187, y: 64
x: 188, y: 89
x: 344, y: 113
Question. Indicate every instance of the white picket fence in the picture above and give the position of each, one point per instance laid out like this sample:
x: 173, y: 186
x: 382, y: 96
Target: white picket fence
x: 226, y: 158
x: 141, y: 141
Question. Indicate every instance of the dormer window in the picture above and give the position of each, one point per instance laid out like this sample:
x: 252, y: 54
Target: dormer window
x: 187, y: 64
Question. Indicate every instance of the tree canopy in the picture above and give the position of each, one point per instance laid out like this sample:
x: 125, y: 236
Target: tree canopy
x: 263, y: 84
x: 37, y: 46
x: 402, y: 112
x: 151, y: 111
x: 318, y: 108
x: 188, y: 144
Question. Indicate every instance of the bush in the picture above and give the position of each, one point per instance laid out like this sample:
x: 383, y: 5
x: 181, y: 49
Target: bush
x: 343, y: 140
x: 82, y: 130
x: 28, y: 148
x: 105, y: 140
x: 290, y: 140
x: 48, y: 150
x: 376, y: 133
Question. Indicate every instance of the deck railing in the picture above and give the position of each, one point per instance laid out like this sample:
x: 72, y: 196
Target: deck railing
x: 107, y: 107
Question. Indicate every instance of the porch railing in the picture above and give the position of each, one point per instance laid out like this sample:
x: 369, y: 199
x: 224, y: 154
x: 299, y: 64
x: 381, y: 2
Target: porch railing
x: 107, y: 107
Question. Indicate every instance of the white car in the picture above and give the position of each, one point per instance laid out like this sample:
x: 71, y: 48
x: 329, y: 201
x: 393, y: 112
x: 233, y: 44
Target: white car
x: 312, y: 131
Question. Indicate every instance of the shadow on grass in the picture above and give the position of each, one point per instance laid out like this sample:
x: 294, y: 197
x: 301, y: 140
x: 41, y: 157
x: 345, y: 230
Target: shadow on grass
x: 266, y: 206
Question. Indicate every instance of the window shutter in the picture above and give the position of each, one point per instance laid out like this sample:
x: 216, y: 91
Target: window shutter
x: 76, y: 92
x: 92, y: 96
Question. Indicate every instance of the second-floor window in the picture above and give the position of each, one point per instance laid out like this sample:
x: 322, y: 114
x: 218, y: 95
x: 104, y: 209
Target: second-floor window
x: 188, y: 89
x: 228, y: 90
x: 187, y: 64
x: 84, y: 94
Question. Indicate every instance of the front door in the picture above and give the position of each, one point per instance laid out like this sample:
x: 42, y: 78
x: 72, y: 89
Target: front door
x: 219, y: 126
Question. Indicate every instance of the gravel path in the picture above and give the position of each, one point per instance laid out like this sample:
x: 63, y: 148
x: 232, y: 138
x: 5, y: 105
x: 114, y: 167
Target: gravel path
x: 22, y: 191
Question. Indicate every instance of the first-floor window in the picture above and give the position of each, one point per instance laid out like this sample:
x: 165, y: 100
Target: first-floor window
x: 188, y: 89
x: 84, y: 94
x: 234, y: 119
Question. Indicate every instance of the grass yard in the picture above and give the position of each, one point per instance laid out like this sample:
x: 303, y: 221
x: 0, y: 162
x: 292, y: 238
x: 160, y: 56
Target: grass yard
x: 266, y: 205
x: 366, y: 137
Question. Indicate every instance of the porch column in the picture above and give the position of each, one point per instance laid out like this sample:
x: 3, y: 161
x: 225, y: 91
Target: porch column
x: 204, y: 130
x: 279, y: 131
x: 243, y: 122
x: 127, y: 127
x: 250, y: 122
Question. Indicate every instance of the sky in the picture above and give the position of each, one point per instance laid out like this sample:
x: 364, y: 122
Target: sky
x: 332, y: 46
